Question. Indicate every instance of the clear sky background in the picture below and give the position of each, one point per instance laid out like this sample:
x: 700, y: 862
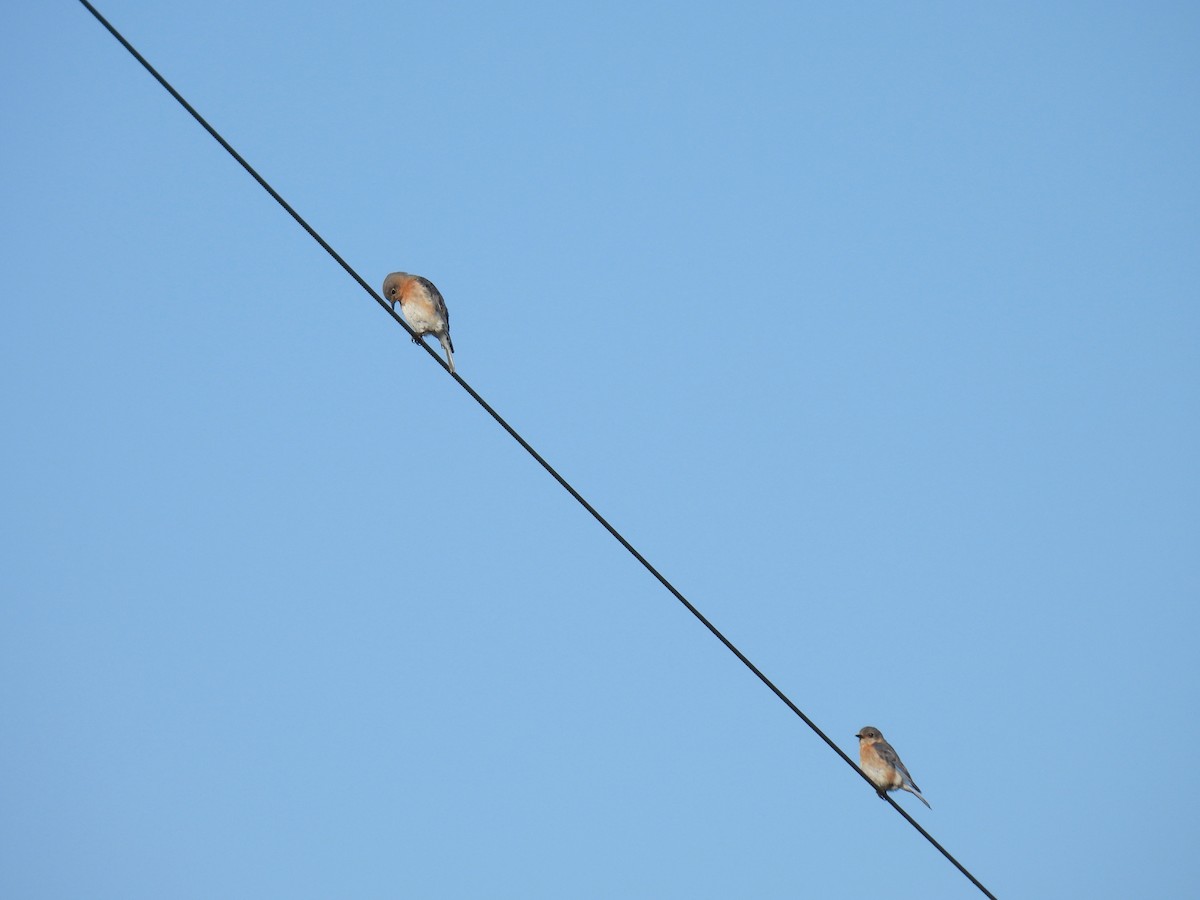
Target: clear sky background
x: 874, y: 326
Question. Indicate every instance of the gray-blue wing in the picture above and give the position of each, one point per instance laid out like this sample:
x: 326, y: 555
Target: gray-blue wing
x: 893, y: 759
x: 438, y: 300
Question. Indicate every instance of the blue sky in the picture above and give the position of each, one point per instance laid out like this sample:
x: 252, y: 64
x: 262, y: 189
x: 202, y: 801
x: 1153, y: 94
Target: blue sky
x: 875, y: 329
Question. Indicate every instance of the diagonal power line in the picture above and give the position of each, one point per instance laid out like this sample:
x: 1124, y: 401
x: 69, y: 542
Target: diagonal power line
x: 633, y: 551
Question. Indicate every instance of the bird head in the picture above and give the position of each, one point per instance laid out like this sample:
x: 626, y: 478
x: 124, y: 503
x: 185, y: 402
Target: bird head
x: 393, y: 285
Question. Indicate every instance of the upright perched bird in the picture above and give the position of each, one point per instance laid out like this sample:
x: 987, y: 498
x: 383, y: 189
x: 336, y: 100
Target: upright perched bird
x: 882, y: 764
x: 423, y: 307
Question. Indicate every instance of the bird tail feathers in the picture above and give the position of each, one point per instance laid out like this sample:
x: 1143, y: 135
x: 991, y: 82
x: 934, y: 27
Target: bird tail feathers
x: 913, y: 790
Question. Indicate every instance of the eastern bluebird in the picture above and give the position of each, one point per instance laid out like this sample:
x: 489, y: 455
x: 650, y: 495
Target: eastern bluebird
x: 882, y: 764
x: 423, y: 307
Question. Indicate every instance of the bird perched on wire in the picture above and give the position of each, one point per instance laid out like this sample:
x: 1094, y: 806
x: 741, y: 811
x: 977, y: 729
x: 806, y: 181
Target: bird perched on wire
x: 423, y: 307
x: 882, y: 764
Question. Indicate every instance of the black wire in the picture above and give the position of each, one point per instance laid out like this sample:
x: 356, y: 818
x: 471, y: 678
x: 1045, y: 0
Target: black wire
x: 525, y: 444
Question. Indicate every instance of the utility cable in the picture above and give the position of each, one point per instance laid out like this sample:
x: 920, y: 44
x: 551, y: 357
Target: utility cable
x: 525, y: 444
